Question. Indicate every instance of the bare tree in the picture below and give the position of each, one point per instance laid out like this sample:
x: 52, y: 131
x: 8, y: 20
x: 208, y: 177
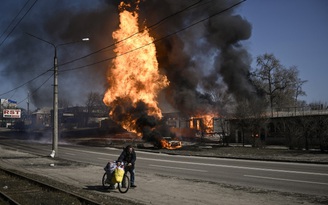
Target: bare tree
x: 95, y: 105
x: 93, y: 99
x: 294, y: 130
x: 224, y: 102
x: 251, y: 118
x: 319, y: 126
x: 298, y: 86
x: 63, y: 103
x: 281, y: 85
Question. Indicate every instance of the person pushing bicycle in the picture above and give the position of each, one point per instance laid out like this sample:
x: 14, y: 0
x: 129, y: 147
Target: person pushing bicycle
x: 128, y: 157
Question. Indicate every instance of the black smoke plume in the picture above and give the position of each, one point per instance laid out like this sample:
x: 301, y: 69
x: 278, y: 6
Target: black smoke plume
x: 203, y: 58
x: 198, y: 59
x: 24, y: 57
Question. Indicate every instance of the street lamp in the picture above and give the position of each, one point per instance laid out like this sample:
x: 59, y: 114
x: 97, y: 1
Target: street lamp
x: 55, y: 93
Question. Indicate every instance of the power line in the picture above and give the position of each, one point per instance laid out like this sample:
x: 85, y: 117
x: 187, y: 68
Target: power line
x: 35, y: 90
x: 117, y: 42
x: 156, y: 40
x: 25, y: 83
x: 18, y: 23
x: 159, y: 22
x: 12, y: 21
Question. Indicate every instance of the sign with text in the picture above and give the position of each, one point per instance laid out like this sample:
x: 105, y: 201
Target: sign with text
x: 7, y: 103
x: 12, y: 113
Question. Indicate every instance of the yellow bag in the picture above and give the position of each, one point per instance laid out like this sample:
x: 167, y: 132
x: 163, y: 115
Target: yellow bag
x: 118, y: 175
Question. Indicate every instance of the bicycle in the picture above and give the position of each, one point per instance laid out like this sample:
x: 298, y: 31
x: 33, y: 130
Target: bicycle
x: 123, y: 186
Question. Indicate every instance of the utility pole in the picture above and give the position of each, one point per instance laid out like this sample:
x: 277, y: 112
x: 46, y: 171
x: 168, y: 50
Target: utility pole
x: 55, y: 93
x: 55, y: 108
x: 28, y: 104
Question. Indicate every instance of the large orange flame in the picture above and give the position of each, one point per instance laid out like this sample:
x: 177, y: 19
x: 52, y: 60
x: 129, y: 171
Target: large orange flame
x: 134, y: 75
x: 203, y: 122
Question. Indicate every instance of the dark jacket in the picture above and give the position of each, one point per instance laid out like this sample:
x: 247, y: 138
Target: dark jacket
x: 128, y: 157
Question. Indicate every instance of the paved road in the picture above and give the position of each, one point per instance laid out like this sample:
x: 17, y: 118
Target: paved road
x: 281, y: 176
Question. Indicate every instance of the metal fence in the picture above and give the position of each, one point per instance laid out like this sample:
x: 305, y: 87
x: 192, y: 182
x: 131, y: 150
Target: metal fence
x: 297, y: 111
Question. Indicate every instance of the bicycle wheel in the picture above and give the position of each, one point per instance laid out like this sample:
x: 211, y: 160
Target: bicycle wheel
x: 105, y: 181
x: 124, y: 186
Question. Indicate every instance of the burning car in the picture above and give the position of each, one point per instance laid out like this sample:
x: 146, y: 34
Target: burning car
x: 168, y: 143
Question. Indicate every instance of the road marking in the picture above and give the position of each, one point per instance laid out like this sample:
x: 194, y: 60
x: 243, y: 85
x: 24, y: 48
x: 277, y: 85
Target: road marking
x: 289, y: 180
x: 92, y: 152
x: 216, y: 159
x: 236, y: 167
x: 105, y: 159
x: 70, y: 154
x: 195, y: 170
x: 211, y: 164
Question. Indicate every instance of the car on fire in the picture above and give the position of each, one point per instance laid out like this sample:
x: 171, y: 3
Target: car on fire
x: 168, y: 143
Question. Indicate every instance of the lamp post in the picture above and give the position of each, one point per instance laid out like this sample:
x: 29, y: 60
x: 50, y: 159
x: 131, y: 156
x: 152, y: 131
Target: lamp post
x: 55, y: 93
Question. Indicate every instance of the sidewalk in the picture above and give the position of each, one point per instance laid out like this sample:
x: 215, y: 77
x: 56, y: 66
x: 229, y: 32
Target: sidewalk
x: 152, y: 189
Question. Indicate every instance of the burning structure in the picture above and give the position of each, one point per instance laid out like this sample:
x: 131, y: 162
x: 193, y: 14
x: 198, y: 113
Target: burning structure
x: 168, y: 56
x: 186, y: 71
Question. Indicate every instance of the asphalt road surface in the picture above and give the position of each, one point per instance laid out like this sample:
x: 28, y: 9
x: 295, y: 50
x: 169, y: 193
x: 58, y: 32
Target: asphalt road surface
x: 280, y: 176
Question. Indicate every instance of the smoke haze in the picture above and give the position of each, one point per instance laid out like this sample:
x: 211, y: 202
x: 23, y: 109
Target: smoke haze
x: 198, y: 61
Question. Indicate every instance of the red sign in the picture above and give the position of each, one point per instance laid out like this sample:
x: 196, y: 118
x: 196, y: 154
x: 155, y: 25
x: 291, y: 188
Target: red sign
x: 12, y: 113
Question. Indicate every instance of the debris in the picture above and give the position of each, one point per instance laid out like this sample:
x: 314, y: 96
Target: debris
x: 52, y: 154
